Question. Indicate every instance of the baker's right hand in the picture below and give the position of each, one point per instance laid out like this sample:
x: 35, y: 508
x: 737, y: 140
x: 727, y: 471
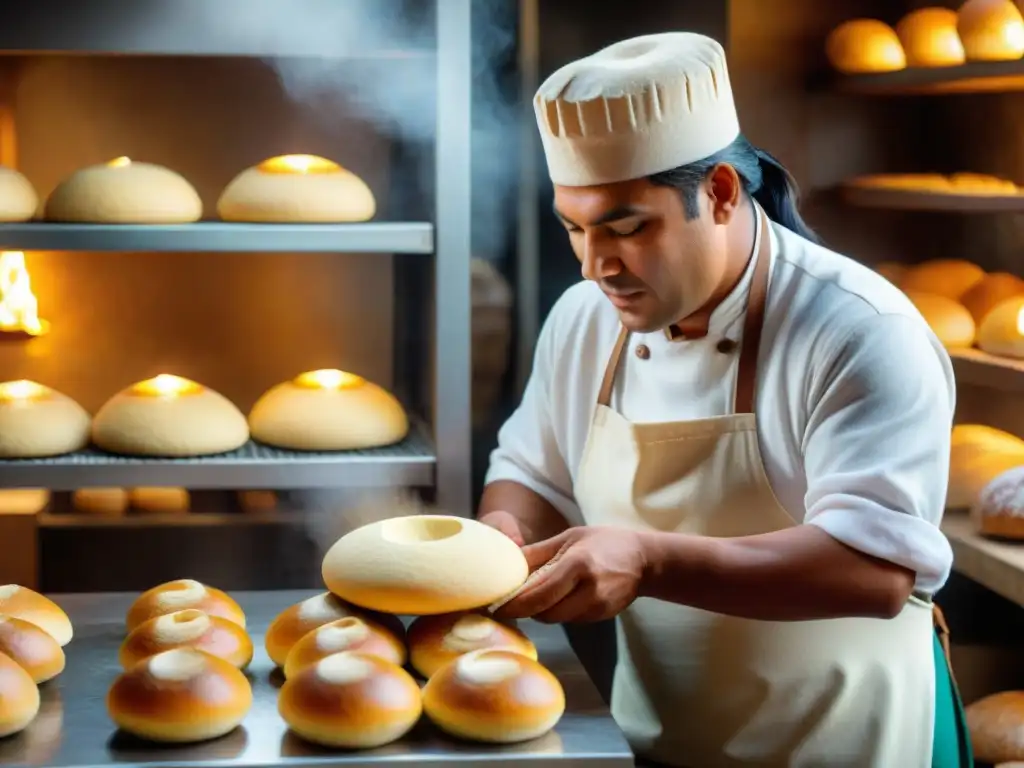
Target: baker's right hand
x: 506, y: 523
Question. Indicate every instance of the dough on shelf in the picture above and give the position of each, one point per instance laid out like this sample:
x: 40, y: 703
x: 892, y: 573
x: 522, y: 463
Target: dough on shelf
x: 100, y: 501
x: 297, y: 189
x: 949, y: 320
x: 28, y: 605
x: 951, y: 278
x: 180, y: 595
x: 23, y: 501
x: 189, y: 628
x: 930, y: 39
x: 32, y: 648
x: 1002, y: 330
x: 434, y: 641
x: 977, y: 455
x: 18, y: 198
x: 157, y: 500
x: 991, y: 30
x: 36, y: 421
x: 863, y: 46
x: 169, y: 416
x: 124, y: 191
x: 999, y: 509
x: 993, y: 289
x: 257, y: 501
x: 351, y: 633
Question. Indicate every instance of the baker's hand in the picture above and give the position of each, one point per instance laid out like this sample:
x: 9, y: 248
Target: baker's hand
x: 506, y: 523
x: 593, y: 574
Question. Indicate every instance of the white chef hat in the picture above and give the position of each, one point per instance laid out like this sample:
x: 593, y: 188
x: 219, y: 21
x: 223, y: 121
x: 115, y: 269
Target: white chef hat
x: 636, y: 108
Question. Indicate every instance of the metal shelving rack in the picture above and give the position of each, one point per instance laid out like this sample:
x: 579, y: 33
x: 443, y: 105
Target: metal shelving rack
x: 436, y: 455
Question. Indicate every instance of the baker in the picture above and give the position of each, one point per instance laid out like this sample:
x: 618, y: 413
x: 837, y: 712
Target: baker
x: 734, y: 440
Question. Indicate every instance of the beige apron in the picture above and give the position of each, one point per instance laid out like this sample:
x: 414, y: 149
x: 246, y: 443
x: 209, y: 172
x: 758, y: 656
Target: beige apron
x: 703, y: 690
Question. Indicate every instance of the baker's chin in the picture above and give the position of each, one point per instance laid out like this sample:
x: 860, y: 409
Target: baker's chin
x: 639, y: 322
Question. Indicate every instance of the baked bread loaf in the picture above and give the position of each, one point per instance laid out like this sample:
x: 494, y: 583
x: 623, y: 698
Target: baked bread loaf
x: 495, y: 696
x: 1002, y: 330
x: 100, y: 501
x: 257, y: 501
x: 978, y: 454
x: 991, y: 30
x: 949, y: 319
x: 352, y: 701
x: 189, y: 628
x: 999, y: 509
x: 328, y: 410
x: 181, y: 595
x: 863, y: 46
x: 160, y: 500
x: 18, y: 198
x: 36, y: 421
x: 951, y: 278
x: 31, y: 648
x: 297, y: 189
x: 981, y: 184
x: 23, y: 501
x: 996, y: 725
x: 989, y: 292
x: 19, y: 697
x: 298, y: 620
x: 169, y: 416
x: 929, y: 38
x: 349, y: 634
x: 424, y: 564
x: 180, y: 696
x: 434, y: 641
x: 23, y: 603
x: 124, y: 191
x: 919, y: 182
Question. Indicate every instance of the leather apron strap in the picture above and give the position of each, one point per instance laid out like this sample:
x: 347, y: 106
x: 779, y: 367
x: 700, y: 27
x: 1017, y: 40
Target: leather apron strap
x: 750, y: 343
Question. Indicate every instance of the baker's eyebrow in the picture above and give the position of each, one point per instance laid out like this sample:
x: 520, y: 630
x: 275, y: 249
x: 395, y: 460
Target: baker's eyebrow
x: 615, y: 214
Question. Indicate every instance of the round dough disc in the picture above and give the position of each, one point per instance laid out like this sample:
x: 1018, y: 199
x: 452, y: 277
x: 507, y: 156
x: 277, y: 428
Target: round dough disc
x: 297, y: 189
x: 37, y: 421
x: 169, y: 416
x: 124, y: 192
x: 328, y: 410
x: 18, y: 198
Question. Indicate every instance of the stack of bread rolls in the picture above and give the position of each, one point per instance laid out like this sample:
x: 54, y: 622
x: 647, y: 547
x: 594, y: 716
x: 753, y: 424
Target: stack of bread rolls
x: 33, y: 633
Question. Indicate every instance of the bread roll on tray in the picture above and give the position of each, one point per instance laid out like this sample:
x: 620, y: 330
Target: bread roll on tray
x: 189, y: 628
x: 349, y: 634
x: 19, y: 697
x: 28, y: 605
x: 31, y: 648
x: 434, y: 641
x: 179, y: 595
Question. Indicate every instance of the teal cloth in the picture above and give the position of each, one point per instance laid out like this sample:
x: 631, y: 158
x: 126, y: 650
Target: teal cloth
x: 951, y: 744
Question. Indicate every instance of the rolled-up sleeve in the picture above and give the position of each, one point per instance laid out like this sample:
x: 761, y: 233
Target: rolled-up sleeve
x: 529, y: 446
x: 876, y: 447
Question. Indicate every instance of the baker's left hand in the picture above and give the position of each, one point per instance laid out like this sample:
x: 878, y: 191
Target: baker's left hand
x: 593, y: 574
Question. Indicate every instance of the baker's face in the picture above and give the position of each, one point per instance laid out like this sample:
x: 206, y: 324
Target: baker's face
x: 634, y: 240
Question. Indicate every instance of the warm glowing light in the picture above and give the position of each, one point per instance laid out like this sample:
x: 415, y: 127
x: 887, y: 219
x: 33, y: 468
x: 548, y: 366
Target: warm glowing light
x: 166, y: 385
x: 327, y: 378
x: 19, y: 309
x: 22, y: 389
x: 299, y: 164
x: 120, y: 162
x: 1020, y: 321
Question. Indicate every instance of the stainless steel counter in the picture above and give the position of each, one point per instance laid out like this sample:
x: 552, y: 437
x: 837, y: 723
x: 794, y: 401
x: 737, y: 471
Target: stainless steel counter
x: 74, y: 731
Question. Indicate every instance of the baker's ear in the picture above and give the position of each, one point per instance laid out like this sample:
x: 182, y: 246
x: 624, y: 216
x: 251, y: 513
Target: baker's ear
x: 725, y: 188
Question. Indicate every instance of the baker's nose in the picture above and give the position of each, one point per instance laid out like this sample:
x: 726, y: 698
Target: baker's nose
x: 597, y: 259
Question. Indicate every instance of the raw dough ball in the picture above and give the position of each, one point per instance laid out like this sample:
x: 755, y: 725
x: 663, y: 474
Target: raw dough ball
x: 999, y: 510
x: 930, y: 39
x: 31, y: 648
x: 978, y: 454
x: 24, y: 603
x: 947, y: 318
x: 951, y: 278
x: 100, y: 501
x: 991, y: 30
x: 180, y: 595
x: 996, y: 725
x: 123, y: 191
x: 167, y: 500
x: 494, y: 696
x: 180, y: 696
x: 297, y: 189
x: 19, y: 697
x: 348, y: 634
x: 434, y: 641
x: 424, y: 564
x: 169, y: 416
x: 18, y: 198
x: 328, y: 410
x: 989, y: 292
x: 189, y: 628
x: 36, y: 421
x: 865, y: 45
x: 351, y: 700
x: 23, y: 501
x: 1002, y: 331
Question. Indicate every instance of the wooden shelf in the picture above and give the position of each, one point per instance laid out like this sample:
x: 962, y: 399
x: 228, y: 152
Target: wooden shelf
x: 980, y: 369
x: 975, y: 77
x: 913, y: 200
x: 997, y: 565
x: 162, y: 520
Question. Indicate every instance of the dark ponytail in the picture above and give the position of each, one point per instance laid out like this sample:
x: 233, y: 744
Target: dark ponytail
x: 764, y: 179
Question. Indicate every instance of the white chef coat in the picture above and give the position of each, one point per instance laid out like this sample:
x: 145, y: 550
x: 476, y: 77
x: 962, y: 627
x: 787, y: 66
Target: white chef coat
x: 855, y: 401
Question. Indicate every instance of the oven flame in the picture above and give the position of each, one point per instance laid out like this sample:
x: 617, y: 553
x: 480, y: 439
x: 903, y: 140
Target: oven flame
x: 120, y: 162
x: 299, y: 164
x: 19, y: 308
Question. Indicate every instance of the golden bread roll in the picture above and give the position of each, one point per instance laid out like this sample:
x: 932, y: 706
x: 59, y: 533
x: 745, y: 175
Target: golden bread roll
x: 920, y: 182
x: 424, y: 564
x: 495, y: 696
x: 1002, y: 330
x: 996, y: 725
x: 999, y: 509
x: 977, y: 455
x: 18, y: 198
x: 351, y: 701
x: 328, y: 410
x: 169, y: 416
x: 981, y: 184
x: 893, y: 271
x: 189, y: 628
x: 28, y: 605
x: 297, y: 189
x: 180, y: 696
x: 23, y: 501
x: 181, y: 595
x: 991, y: 30
x: 353, y: 634
x: 929, y: 38
x: 165, y: 500
x: 991, y: 290
x: 434, y: 641
x: 862, y: 46
x: 123, y: 191
x: 31, y: 648
x: 36, y: 421
x: 948, y: 319
x: 951, y: 278
x: 100, y: 501
x: 19, y: 697
x: 257, y: 501
x: 298, y: 620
